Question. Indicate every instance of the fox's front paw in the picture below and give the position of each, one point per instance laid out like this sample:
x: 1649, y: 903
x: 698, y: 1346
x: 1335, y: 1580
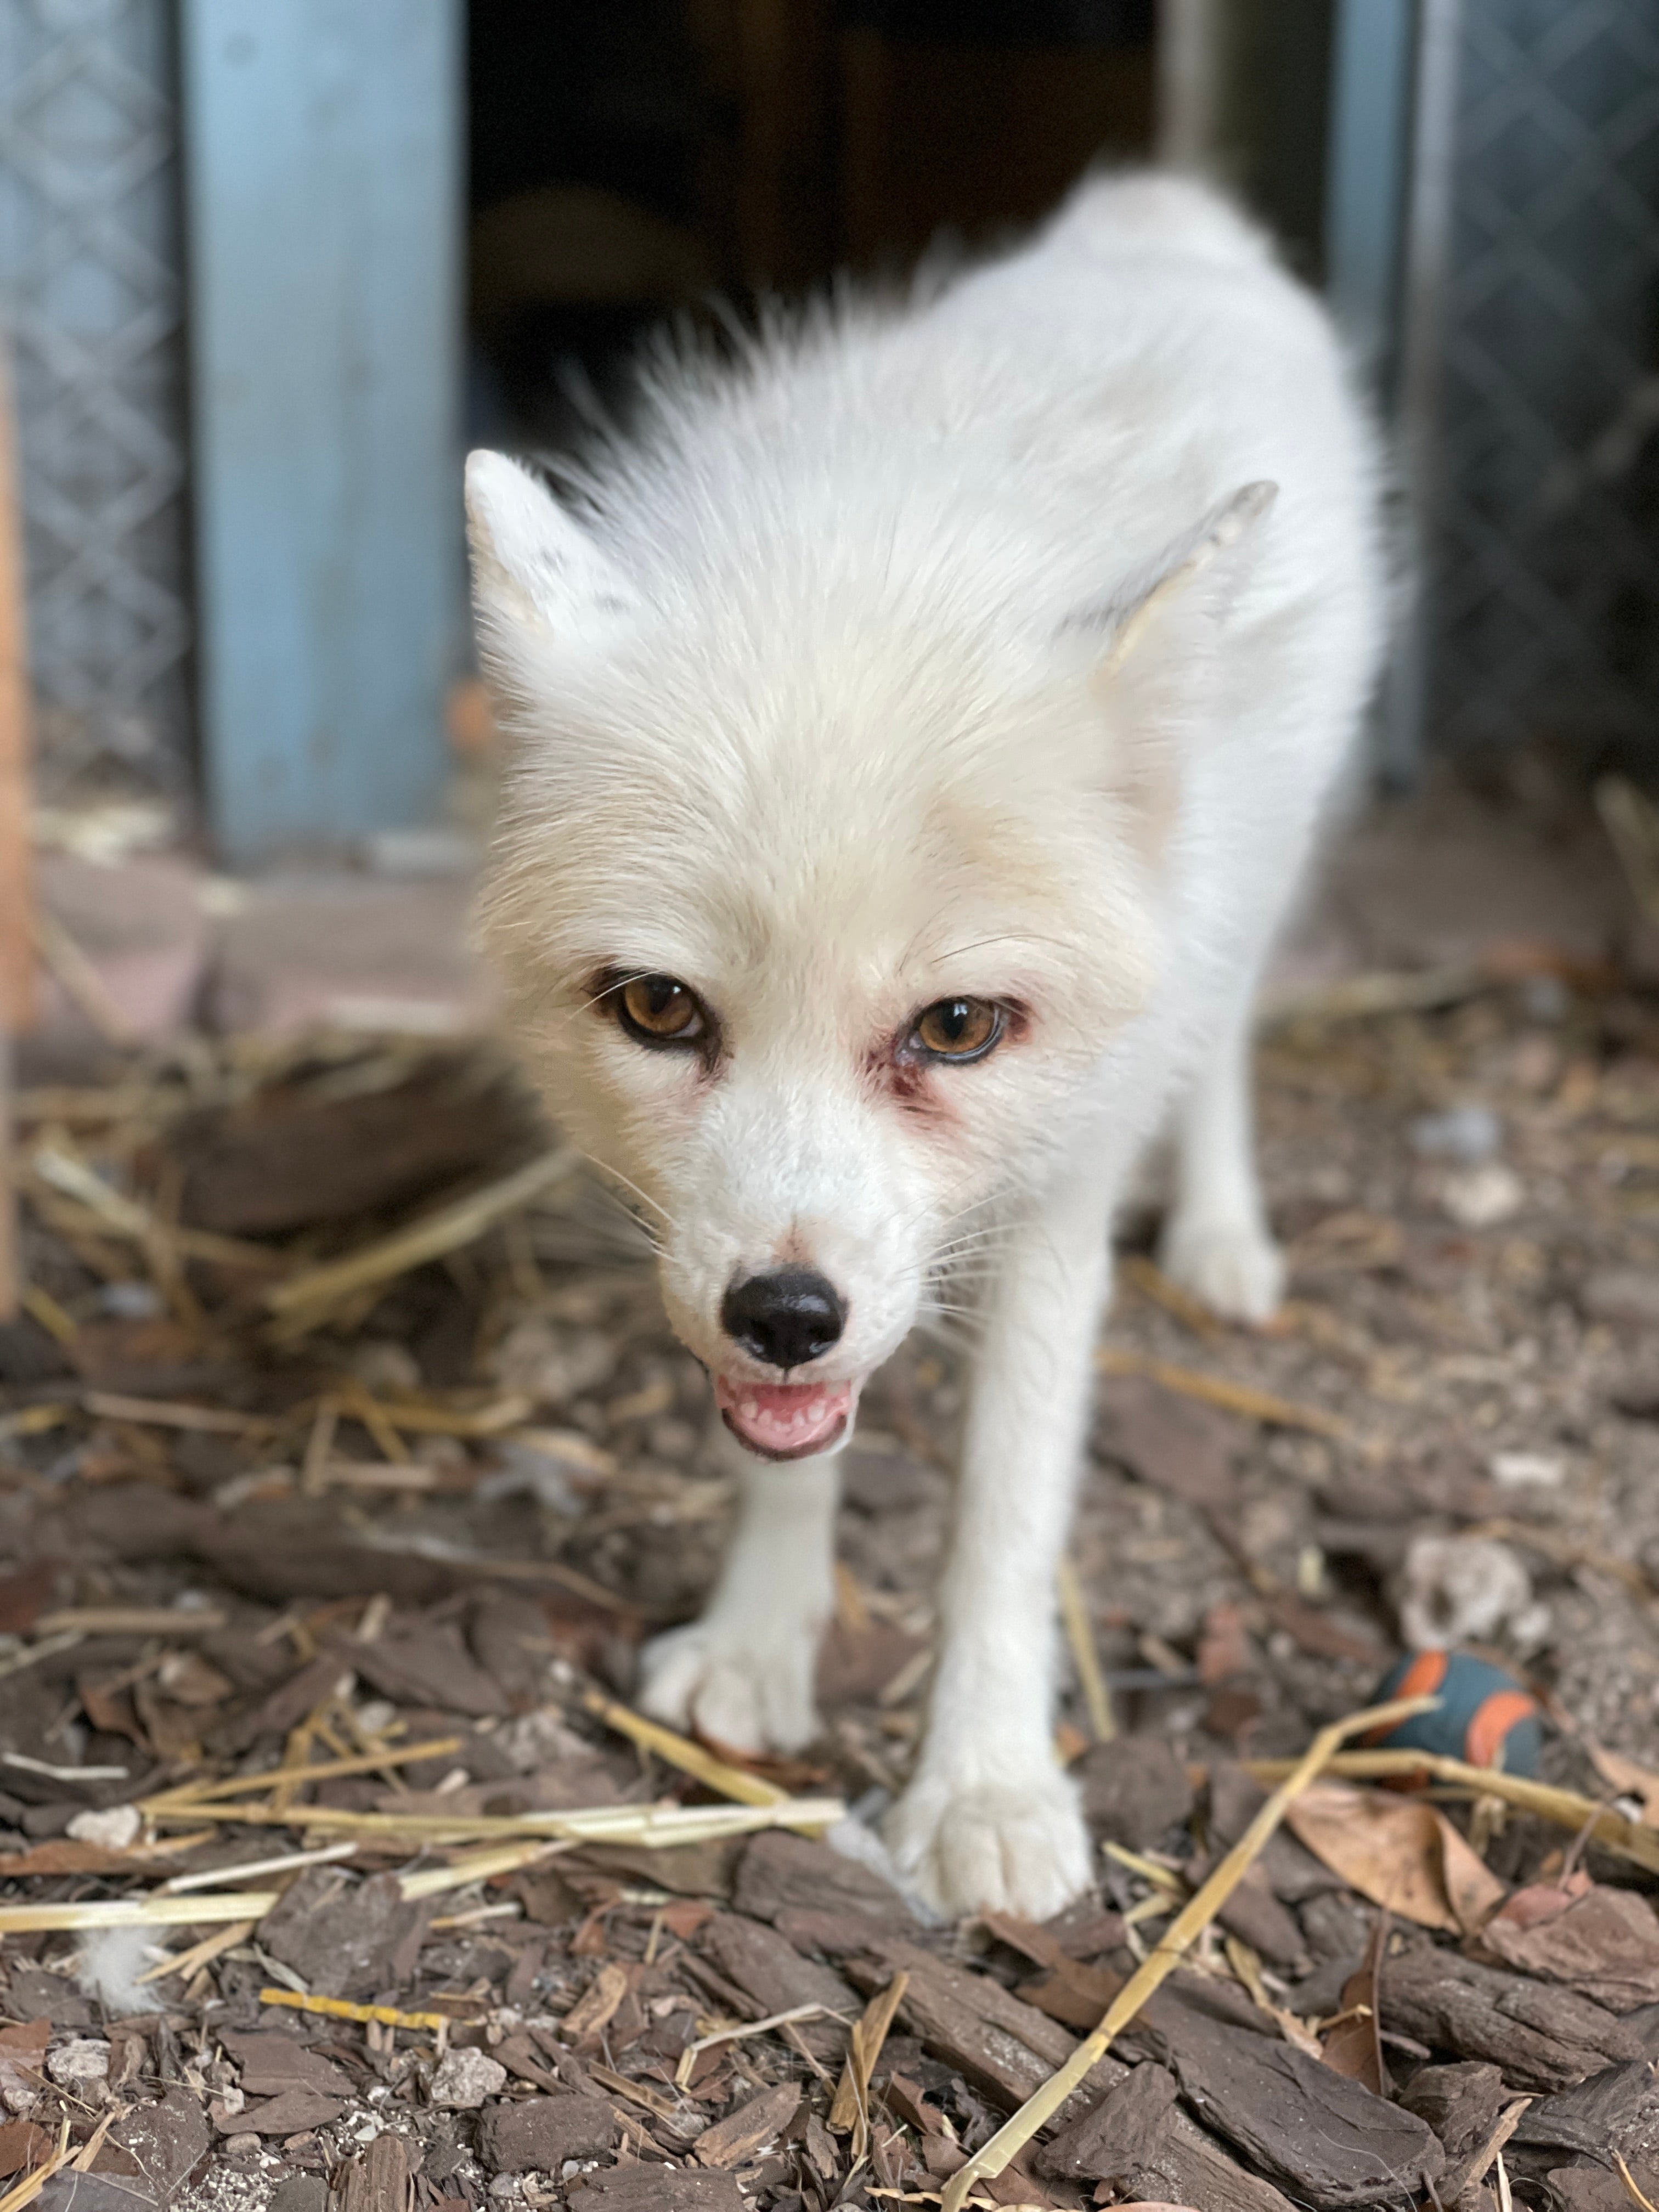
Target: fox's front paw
x: 1015, y: 1846
x: 1234, y: 1267
x: 745, y: 1684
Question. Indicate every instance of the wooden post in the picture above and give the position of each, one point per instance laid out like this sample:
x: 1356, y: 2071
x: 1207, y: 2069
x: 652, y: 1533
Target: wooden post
x: 323, y: 172
x: 16, y: 957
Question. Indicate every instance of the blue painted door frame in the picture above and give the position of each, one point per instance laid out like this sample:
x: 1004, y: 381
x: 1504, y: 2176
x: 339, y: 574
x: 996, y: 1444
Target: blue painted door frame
x: 323, y: 190
x: 1373, y: 208
x: 1367, y: 163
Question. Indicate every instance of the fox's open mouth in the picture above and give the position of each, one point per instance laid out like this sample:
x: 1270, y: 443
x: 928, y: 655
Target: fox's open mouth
x: 785, y: 1420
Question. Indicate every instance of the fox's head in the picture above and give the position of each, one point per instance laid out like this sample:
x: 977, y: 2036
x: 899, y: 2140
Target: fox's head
x: 819, y: 897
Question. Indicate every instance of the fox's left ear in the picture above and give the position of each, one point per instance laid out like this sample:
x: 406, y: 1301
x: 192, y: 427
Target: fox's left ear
x: 534, y: 568
x: 1122, y: 622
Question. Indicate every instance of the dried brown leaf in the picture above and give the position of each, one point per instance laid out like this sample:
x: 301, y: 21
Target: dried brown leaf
x: 1400, y: 1852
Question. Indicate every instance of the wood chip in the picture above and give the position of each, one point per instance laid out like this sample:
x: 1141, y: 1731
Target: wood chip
x: 1542, y: 2038
x: 1050, y: 2101
x: 587, y: 2018
x: 1138, y: 2139
x: 1324, y: 2137
x: 1604, y: 1942
x: 378, y: 2179
x: 1004, y: 2047
x: 752, y: 2128
x: 775, y: 1978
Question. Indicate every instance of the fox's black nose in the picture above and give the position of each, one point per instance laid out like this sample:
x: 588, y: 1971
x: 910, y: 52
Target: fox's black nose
x: 785, y: 1317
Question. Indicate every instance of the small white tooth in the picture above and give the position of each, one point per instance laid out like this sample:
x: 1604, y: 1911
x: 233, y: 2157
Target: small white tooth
x: 748, y: 1409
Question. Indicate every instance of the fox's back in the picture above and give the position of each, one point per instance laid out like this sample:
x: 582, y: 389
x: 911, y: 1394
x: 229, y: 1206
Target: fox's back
x: 1010, y: 442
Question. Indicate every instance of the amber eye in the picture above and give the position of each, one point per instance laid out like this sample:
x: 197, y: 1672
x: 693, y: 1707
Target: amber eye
x: 957, y: 1029
x: 657, y: 1009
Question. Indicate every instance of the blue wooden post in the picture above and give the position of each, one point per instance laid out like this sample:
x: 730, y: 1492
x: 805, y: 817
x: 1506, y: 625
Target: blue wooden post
x: 1366, y: 176
x: 324, y: 193
x: 1373, y: 151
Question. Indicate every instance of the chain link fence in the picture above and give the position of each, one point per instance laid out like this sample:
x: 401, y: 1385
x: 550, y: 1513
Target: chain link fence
x: 90, y: 283
x: 1541, y: 591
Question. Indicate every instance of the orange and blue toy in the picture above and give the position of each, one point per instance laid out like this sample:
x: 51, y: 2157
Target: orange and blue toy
x: 1484, y: 1717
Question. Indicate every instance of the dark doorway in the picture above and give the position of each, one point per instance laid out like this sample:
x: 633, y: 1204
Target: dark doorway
x: 633, y: 158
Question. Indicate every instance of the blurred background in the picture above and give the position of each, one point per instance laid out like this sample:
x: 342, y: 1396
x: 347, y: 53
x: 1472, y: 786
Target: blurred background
x: 263, y: 265
x: 268, y: 267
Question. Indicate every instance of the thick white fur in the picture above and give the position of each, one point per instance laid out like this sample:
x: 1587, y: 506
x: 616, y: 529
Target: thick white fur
x: 833, y: 701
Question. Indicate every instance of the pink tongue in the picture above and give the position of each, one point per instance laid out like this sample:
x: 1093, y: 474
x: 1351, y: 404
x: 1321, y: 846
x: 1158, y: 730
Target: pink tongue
x: 786, y: 1419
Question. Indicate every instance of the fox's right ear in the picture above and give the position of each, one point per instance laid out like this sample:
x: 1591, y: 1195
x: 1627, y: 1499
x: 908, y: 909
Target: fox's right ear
x: 1125, y: 620
x: 533, y: 565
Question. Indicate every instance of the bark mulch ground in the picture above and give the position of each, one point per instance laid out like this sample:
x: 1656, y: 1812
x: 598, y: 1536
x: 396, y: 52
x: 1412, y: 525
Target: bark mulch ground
x: 328, y: 1545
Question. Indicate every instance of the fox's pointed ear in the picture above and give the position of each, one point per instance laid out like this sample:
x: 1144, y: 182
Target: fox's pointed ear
x: 1186, y: 589
x: 533, y: 565
x: 1124, y: 620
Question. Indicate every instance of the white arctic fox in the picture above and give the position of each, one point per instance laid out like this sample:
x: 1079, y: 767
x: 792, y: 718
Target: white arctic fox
x: 920, y: 728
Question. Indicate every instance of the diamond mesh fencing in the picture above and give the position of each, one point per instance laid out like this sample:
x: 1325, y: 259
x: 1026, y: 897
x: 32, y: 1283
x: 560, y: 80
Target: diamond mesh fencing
x: 1542, y: 590
x: 89, y: 295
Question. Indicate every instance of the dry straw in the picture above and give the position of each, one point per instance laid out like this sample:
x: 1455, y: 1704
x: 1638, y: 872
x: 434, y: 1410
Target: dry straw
x: 1217, y: 1390
x: 302, y: 1301
x: 1080, y: 1636
x: 850, y: 2113
x: 202, y: 1795
x: 653, y: 1827
x: 740, y: 2032
x: 341, y: 2008
x: 734, y: 1782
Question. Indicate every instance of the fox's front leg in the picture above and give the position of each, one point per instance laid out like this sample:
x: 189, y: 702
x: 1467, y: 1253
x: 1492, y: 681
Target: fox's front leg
x: 989, y: 1819
x: 742, y: 1674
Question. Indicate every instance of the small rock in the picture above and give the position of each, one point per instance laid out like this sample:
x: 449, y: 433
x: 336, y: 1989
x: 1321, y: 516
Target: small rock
x: 189, y: 1679
x: 540, y: 1739
x: 383, y: 1366
x: 1459, y: 1589
x: 671, y: 1438
x: 116, y: 1829
x: 553, y: 1364
x: 1545, y: 999
x: 300, y: 2192
x: 1521, y: 1470
x: 78, y: 2063
x: 241, y: 2146
x: 1482, y: 1197
x: 1466, y: 1135
x: 1627, y: 1294
x: 466, y: 2078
